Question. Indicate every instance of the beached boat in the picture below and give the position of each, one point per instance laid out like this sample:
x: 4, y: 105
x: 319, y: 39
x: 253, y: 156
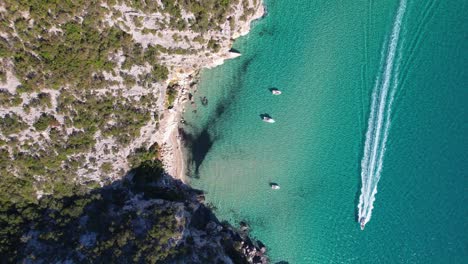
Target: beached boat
x: 268, y: 119
x: 274, y: 186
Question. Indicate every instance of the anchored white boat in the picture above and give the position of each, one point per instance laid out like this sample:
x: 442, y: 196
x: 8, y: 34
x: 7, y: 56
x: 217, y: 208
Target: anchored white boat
x: 275, y: 186
x: 276, y: 92
x: 268, y: 119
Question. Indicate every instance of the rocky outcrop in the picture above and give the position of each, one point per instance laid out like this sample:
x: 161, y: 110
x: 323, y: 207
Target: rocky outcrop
x: 147, y: 217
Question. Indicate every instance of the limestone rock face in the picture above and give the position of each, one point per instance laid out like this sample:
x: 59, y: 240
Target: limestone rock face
x: 85, y: 86
x: 144, y: 219
x: 90, y: 95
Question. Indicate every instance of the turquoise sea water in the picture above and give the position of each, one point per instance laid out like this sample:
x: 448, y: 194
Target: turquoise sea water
x: 326, y: 57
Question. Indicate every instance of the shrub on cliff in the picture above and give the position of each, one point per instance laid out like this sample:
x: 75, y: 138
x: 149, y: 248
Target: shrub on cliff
x: 11, y: 123
x: 171, y: 93
x: 160, y: 72
x: 91, y: 224
x: 44, y: 121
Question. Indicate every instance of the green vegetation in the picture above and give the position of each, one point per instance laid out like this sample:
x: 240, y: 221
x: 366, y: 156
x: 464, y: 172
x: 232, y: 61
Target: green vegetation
x: 208, y: 14
x: 2, y: 73
x: 136, y: 220
x: 43, y: 101
x: 142, y: 154
x: 199, y: 39
x: 68, y: 46
x: 171, y: 93
x: 74, y: 52
x: 160, y: 72
x: 79, y: 141
x: 117, y: 117
x: 45, y: 121
x: 46, y: 59
x: 11, y: 123
x: 113, y: 233
x: 106, y: 167
x: 8, y: 100
x: 213, y: 45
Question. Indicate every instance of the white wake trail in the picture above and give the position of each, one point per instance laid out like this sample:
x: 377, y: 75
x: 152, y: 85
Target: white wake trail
x: 379, y: 121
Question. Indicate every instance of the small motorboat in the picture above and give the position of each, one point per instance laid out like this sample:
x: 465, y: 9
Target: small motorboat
x: 362, y: 221
x: 268, y: 119
x: 274, y: 186
x: 275, y: 91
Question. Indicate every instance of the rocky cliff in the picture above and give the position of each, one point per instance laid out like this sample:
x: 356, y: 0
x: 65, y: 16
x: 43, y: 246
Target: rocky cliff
x: 84, y: 84
x: 147, y: 217
x: 86, y: 89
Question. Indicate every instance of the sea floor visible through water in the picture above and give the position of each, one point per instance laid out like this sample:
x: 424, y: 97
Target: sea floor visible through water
x: 325, y: 57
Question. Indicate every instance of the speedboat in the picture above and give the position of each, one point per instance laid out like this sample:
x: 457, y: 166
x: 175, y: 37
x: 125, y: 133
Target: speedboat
x: 268, y: 119
x: 274, y: 186
x: 362, y: 221
x: 276, y: 92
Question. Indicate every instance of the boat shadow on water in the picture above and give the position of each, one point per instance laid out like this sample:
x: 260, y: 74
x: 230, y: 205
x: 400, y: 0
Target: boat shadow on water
x: 272, y: 89
x: 265, y: 115
x: 274, y: 186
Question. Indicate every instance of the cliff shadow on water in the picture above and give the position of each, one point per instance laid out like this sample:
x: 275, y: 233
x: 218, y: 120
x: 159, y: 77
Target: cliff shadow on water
x: 199, y: 141
x: 146, y: 217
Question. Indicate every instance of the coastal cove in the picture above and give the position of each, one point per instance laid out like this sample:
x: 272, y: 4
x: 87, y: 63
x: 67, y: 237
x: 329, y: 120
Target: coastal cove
x: 184, y: 80
x: 233, y: 131
x: 325, y: 56
x: 91, y: 96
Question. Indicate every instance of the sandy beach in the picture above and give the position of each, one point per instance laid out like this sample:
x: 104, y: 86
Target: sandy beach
x: 171, y: 148
x: 172, y: 152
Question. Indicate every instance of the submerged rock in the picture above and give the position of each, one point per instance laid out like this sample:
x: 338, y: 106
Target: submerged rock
x: 204, y: 100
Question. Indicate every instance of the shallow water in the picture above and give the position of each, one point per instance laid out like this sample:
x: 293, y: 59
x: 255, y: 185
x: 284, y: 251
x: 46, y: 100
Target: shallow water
x: 325, y: 56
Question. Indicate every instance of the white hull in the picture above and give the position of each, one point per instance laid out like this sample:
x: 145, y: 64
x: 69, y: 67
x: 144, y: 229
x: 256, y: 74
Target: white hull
x: 276, y: 92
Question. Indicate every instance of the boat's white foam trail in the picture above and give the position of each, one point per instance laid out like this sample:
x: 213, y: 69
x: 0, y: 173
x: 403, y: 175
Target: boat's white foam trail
x: 379, y: 120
